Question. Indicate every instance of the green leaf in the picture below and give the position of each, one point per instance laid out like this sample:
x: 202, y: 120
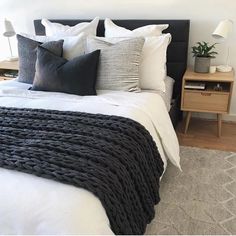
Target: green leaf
x: 203, y: 49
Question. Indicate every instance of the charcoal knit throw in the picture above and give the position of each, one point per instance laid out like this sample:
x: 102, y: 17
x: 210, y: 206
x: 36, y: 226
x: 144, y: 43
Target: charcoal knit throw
x: 113, y: 157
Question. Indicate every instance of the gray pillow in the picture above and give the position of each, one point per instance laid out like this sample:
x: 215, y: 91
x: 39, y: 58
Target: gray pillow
x: 119, y: 63
x: 56, y: 74
x: 27, y: 51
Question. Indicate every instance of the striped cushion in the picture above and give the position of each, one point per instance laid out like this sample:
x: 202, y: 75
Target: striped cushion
x: 119, y: 63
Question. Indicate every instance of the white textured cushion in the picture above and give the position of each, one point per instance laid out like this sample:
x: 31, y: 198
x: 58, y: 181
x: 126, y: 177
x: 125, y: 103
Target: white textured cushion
x: 167, y: 95
x: 169, y: 83
x: 153, y: 63
x: 56, y: 29
x: 119, y: 63
x: 73, y: 46
x: 113, y: 30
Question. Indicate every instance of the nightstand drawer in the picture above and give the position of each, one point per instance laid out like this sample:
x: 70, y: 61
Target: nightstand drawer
x: 205, y: 101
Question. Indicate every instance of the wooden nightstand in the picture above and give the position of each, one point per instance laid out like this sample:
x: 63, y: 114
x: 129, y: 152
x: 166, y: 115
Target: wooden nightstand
x: 8, y: 67
x: 209, y: 99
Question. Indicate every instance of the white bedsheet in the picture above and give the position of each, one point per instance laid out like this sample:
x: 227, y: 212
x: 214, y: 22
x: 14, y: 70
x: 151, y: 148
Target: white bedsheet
x: 33, y: 205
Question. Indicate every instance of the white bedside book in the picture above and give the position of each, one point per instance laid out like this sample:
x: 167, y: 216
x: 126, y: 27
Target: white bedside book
x: 195, y: 85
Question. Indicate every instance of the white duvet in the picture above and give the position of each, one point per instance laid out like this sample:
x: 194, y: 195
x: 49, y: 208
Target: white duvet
x: 33, y: 205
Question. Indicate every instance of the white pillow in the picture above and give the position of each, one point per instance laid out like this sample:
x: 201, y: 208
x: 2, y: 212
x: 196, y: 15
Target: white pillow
x: 73, y: 46
x: 56, y: 29
x: 113, y: 30
x: 153, y: 63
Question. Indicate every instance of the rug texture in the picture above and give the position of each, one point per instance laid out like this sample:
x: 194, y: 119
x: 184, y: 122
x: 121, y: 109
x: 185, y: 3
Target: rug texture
x: 199, y: 200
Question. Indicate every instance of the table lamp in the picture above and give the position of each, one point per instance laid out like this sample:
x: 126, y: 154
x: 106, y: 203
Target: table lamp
x: 222, y: 31
x: 9, y: 32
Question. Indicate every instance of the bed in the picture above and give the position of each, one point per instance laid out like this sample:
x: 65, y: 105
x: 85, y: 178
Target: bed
x: 33, y: 205
x: 176, y: 54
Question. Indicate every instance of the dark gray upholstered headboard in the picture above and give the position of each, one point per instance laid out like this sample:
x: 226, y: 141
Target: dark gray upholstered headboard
x: 177, y: 50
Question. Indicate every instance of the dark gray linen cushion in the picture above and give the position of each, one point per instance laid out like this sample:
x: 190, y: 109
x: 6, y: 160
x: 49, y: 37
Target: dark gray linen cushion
x: 27, y: 51
x: 56, y: 74
x: 119, y: 63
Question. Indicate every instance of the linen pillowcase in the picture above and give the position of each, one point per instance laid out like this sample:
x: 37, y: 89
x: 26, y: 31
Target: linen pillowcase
x: 56, y: 74
x: 57, y: 29
x: 113, y: 30
x: 73, y: 46
x: 27, y: 51
x: 119, y: 63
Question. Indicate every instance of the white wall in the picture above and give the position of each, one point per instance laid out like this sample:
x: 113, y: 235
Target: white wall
x: 204, y: 16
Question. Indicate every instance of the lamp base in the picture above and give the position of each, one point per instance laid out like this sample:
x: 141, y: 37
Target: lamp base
x: 224, y: 68
x: 11, y: 59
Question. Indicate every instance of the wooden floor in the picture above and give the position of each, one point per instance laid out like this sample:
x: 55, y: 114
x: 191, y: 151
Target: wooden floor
x: 203, y: 134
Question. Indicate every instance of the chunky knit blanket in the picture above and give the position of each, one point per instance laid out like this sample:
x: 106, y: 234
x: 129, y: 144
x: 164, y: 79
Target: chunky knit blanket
x: 113, y: 157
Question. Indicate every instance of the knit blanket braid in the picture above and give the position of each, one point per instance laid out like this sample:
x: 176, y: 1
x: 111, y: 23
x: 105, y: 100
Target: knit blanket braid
x: 113, y: 157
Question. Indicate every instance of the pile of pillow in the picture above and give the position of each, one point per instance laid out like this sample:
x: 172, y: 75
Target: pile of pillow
x: 73, y: 60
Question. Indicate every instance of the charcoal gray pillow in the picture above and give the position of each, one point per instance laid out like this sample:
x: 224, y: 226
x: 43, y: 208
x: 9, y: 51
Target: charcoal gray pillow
x: 119, y: 63
x: 27, y: 51
x: 56, y: 74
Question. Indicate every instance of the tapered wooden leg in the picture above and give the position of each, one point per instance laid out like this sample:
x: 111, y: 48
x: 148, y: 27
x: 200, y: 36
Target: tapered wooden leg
x: 187, y: 121
x: 219, y: 118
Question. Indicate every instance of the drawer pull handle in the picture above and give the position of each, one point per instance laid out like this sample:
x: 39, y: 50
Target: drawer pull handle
x: 206, y: 94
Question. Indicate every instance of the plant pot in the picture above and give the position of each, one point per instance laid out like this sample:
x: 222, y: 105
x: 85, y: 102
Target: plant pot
x: 202, y: 64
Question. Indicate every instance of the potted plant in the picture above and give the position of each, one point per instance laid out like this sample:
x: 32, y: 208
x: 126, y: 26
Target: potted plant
x: 203, y: 52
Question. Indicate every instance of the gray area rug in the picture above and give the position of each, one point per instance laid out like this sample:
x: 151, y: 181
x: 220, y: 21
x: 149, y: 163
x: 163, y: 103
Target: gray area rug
x: 201, y: 199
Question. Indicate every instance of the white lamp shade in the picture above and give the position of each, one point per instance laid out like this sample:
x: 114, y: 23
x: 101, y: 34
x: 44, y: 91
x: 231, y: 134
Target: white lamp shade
x: 223, y: 29
x: 8, y: 29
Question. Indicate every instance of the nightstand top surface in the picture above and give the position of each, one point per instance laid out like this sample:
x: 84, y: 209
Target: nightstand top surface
x: 11, y: 65
x: 217, y: 76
